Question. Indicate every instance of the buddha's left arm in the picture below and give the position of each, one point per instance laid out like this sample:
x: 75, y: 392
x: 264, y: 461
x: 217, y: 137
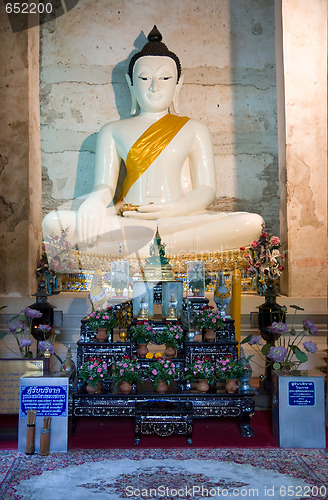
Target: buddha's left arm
x: 202, y: 171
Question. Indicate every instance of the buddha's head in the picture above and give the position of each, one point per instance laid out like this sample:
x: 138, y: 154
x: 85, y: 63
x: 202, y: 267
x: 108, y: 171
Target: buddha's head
x: 154, y: 76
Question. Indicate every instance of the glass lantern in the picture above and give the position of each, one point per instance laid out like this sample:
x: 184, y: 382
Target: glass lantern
x: 143, y: 300
x: 172, y: 296
x: 196, y: 278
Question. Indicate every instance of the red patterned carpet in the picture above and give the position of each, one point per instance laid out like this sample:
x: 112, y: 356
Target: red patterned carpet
x: 169, y: 474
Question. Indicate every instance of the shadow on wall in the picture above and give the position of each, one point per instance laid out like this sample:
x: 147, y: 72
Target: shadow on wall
x: 87, y: 156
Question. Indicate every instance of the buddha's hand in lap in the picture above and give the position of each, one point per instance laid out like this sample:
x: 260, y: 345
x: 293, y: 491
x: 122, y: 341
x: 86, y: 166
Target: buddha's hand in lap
x: 90, y: 218
x: 154, y: 211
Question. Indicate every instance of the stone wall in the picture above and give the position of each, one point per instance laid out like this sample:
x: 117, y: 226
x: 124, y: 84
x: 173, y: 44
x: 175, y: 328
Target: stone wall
x: 227, y: 55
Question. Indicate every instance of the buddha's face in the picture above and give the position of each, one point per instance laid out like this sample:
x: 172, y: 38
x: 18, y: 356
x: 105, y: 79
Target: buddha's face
x: 154, y: 82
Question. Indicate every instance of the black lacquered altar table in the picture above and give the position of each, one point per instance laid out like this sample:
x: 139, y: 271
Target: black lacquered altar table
x: 189, y: 405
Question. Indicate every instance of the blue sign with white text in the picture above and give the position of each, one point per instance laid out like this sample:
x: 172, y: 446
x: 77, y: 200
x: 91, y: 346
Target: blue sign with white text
x: 48, y: 401
x: 301, y: 393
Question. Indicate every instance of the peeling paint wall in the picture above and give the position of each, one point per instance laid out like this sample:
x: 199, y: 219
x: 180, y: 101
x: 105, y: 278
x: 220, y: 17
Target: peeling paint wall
x: 303, y: 145
x: 227, y: 54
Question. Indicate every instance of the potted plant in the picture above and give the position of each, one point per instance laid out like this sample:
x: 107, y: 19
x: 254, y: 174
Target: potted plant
x: 161, y: 372
x: 172, y: 337
x: 229, y: 370
x: 92, y: 372
x: 203, y: 371
x: 125, y: 373
x: 141, y: 333
x: 209, y: 319
x: 102, y: 321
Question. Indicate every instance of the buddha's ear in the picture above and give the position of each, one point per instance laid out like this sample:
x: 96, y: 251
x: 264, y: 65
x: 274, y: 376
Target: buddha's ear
x: 134, y: 103
x: 176, y: 95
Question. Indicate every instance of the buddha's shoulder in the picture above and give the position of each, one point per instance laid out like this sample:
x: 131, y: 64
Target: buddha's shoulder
x: 197, y: 126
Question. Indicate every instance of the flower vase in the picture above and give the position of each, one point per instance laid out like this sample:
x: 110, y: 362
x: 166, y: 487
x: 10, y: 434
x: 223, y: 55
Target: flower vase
x: 170, y: 352
x: 101, y: 335
x: 202, y: 386
x: 162, y: 387
x: 210, y: 335
x: 231, y: 386
x: 125, y: 387
x: 269, y: 312
x: 91, y: 389
x: 142, y: 350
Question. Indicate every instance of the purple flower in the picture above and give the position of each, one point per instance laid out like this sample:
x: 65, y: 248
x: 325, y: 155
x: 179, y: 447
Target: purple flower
x: 277, y: 353
x: 17, y: 327
x: 310, y: 346
x: 256, y: 340
x: 32, y: 313
x: 308, y: 325
x: 25, y: 342
x: 278, y: 327
x: 44, y: 328
x: 44, y: 345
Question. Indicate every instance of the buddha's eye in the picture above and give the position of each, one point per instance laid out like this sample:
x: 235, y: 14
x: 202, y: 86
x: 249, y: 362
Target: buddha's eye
x: 144, y: 78
x: 166, y: 78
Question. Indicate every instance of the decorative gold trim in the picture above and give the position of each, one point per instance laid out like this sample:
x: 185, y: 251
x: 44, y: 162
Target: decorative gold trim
x: 86, y: 263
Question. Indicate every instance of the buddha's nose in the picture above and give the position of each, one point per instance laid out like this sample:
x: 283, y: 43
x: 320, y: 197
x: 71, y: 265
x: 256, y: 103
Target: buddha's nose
x: 155, y: 85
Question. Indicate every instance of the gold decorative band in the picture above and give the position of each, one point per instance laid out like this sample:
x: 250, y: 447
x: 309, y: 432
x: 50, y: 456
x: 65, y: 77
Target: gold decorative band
x: 83, y: 265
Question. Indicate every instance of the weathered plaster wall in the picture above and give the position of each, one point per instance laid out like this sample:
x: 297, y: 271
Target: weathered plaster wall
x: 227, y: 54
x: 303, y: 144
x: 20, y: 159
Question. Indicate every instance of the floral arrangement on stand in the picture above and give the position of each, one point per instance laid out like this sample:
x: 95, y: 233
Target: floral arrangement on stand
x: 102, y: 319
x: 56, y: 259
x: 161, y: 370
x: 25, y: 333
x: 126, y: 370
x: 287, y: 354
x: 93, y: 371
x: 172, y: 335
x: 141, y: 332
x: 201, y: 369
x: 209, y: 317
x: 227, y: 368
x: 264, y: 261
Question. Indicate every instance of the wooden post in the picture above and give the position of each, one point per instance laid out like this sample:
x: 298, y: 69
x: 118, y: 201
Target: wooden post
x: 236, y: 303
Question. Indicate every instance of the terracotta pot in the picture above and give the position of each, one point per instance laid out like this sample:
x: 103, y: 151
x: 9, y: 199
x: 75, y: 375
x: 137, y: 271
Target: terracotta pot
x: 125, y: 387
x: 203, y: 386
x: 162, y: 387
x: 170, y: 352
x: 142, y: 350
x: 231, y: 386
x: 210, y: 335
x: 101, y: 335
x: 90, y: 389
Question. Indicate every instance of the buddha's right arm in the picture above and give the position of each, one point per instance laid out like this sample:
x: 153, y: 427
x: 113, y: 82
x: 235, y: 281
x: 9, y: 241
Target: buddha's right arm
x: 93, y: 211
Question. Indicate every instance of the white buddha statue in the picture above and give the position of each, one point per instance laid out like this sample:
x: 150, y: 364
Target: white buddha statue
x: 170, y: 179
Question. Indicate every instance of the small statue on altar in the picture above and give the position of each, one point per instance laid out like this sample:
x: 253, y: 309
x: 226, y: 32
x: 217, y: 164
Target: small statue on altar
x: 170, y: 174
